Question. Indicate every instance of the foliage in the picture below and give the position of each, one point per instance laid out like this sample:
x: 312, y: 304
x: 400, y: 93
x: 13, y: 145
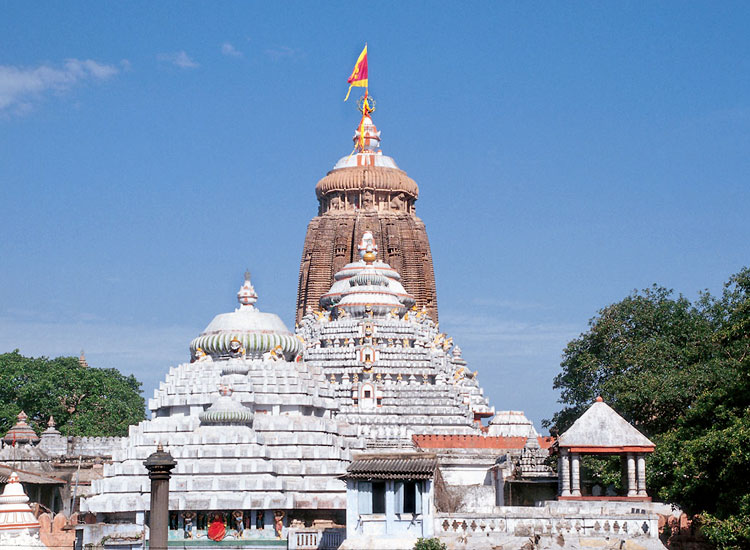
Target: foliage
x: 429, y: 544
x: 604, y: 471
x: 85, y: 401
x: 680, y: 372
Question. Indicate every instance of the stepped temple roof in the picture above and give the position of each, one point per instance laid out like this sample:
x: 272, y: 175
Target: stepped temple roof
x: 21, y: 432
x: 249, y: 428
x: 393, y: 372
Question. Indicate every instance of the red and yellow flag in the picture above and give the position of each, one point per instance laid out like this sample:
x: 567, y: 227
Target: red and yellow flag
x: 359, y: 74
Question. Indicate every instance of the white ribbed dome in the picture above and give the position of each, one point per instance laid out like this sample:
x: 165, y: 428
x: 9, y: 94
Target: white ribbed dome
x: 257, y: 332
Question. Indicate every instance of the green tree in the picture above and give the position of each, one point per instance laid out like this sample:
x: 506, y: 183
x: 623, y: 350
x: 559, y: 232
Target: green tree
x: 680, y: 372
x: 85, y: 401
x: 429, y: 544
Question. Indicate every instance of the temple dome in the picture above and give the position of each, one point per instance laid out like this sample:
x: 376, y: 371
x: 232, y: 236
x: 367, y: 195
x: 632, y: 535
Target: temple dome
x: 367, y: 167
x: 377, y: 178
x: 21, y: 432
x: 246, y: 331
x: 226, y: 411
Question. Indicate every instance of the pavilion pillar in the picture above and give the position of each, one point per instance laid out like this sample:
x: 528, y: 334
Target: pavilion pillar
x: 159, y: 466
x: 632, y: 490
x: 641, y: 469
x: 575, y: 463
x: 564, y: 473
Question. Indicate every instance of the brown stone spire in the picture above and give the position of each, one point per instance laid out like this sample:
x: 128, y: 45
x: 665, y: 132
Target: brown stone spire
x: 366, y: 191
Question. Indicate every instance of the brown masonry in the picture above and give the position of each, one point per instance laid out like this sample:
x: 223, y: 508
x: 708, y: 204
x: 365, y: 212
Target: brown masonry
x: 358, y: 199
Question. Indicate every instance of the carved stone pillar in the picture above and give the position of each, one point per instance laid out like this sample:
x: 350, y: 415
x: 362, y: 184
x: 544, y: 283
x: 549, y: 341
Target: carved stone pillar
x: 575, y: 463
x: 564, y: 473
x: 641, y: 475
x: 631, y: 475
x: 159, y: 466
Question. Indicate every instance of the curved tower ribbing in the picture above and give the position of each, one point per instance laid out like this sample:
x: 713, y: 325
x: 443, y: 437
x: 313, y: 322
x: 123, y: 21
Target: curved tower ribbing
x: 366, y: 191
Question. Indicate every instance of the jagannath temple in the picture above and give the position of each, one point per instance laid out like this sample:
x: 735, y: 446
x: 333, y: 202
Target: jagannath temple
x: 366, y: 191
x: 363, y: 428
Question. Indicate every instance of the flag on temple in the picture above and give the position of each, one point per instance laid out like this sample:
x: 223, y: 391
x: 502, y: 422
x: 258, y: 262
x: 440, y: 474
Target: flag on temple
x: 359, y: 74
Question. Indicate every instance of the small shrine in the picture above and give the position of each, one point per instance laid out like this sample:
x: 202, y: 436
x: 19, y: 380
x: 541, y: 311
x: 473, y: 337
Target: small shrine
x: 601, y: 431
x: 19, y: 527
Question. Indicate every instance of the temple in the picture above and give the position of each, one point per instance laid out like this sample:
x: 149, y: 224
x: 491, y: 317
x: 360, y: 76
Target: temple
x: 363, y: 428
x: 366, y: 191
x: 254, y: 433
x: 394, y: 374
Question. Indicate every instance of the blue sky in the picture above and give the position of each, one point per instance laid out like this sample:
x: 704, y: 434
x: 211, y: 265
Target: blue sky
x: 566, y: 154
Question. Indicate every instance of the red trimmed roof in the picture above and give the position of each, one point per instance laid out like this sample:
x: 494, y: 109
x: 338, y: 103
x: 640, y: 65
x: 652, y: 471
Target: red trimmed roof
x: 434, y: 441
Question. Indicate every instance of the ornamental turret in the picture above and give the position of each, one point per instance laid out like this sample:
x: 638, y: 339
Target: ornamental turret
x: 21, y: 432
x: 367, y: 287
x: 19, y: 528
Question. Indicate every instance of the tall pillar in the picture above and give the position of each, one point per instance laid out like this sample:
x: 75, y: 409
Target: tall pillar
x: 564, y: 473
x: 641, y: 469
x: 575, y: 463
x: 631, y: 475
x: 159, y: 466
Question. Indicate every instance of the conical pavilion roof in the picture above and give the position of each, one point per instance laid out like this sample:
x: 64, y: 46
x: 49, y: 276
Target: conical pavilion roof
x: 601, y: 428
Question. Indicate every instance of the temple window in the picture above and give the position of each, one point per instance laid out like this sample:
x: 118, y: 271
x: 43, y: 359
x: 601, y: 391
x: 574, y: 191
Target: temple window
x: 371, y: 497
x: 408, y: 497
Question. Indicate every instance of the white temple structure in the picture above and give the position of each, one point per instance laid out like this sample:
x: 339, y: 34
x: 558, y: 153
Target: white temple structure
x: 254, y: 432
x: 393, y: 372
x: 19, y: 527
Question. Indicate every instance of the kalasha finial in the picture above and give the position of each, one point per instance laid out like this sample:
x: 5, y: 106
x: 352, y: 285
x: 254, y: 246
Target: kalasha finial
x: 51, y: 422
x: 160, y: 448
x: 599, y: 399
x: 368, y: 250
x: 225, y: 390
x: 22, y: 416
x: 246, y: 295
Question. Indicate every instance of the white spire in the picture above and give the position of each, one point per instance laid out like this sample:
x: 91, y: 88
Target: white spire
x: 246, y: 295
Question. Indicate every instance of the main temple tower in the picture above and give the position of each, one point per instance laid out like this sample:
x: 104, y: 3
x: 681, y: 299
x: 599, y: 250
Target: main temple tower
x: 366, y: 191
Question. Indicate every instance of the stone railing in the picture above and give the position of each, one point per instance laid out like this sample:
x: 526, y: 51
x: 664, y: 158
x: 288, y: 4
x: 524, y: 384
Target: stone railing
x: 315, y: 539
x: 508, y: 522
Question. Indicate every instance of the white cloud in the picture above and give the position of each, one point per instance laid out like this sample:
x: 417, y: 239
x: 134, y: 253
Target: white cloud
x: 229, y: 50
x: 180, y: 59
x: 19, y: 86
x: 283, y: 52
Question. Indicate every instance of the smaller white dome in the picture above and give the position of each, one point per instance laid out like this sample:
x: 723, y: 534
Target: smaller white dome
x: 246, y: 331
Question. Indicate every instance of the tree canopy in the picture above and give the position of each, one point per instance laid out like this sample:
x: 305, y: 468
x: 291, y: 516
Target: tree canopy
x: 85, y: 401
x: 680, y: 372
